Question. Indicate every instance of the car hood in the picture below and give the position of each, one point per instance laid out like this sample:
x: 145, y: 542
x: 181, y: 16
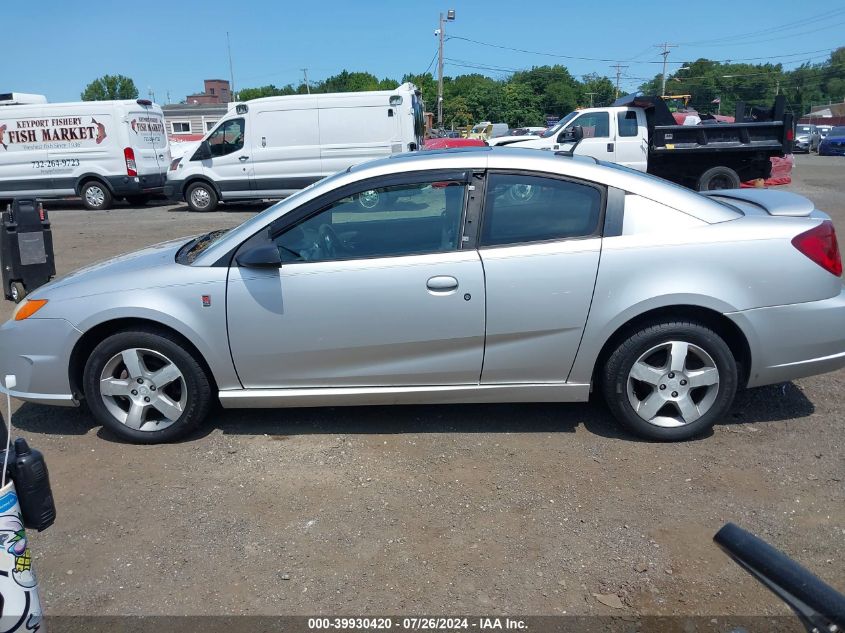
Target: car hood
x: 124, y: 272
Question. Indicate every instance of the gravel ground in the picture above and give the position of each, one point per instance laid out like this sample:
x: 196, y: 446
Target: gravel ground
x: 532, y: 509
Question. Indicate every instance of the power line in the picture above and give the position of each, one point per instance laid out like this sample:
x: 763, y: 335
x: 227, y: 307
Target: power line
x: 783, y: 27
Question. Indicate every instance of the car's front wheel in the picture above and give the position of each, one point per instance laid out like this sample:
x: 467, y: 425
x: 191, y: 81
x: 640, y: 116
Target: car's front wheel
x: 670, y: 381
x: 146, y: 387
x: 201, y: 197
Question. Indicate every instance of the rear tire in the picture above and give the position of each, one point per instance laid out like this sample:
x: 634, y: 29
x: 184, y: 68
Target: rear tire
x: 718, y: 178
x: 670, y: 381
x: 201, y: 197
x: 145, y: 387
x: 96, y: 196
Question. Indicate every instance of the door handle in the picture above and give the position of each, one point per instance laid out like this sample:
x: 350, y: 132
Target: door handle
x: 610, y: 147
x: 442, y: 283
x: 243, y: 158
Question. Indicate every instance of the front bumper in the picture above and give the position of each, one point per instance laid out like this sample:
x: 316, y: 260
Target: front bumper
x: 173, y: 190
x: 828, y: 149
x: 794, y: 341
x: 37, y: 352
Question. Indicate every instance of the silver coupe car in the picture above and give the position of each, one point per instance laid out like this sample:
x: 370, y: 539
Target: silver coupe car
x: 469, y: 275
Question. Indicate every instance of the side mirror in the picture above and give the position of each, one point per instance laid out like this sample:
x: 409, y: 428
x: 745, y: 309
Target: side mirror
x: 203, y: 152
x: 571, y: 135
x: 265, y: 256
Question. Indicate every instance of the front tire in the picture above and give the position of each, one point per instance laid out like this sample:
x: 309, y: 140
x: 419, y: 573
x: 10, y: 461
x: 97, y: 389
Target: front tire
x: 144, y: 386
x: 96, y: 196
x: 670, y: 381
x: 201, y: 197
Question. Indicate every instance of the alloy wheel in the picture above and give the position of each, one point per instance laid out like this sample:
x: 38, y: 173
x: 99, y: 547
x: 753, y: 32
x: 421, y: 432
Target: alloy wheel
x: 673, y: 384
x: 143, y: 389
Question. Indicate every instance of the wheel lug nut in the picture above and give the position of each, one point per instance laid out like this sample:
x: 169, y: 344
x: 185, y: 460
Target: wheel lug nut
x: 146, y: 399
x: 674, y: 394
x: 134, y: 392
x: 671, y: 374
x: 683, y: 383
x: 153, y: 387
x: 663, y: 386
x: 139, y: 380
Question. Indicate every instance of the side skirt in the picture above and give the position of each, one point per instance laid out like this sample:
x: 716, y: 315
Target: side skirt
x: 359, y: 396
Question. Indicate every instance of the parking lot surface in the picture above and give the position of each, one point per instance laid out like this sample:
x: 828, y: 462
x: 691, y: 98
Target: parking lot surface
x: 530, y: 509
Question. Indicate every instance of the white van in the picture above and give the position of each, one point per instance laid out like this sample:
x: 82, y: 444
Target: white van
x: 97, y: 150
x: 274, y: 146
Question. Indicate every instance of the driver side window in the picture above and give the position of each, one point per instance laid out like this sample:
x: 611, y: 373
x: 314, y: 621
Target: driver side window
x: 383, y: 222
x: 594, y: 124
x: 227, y: 138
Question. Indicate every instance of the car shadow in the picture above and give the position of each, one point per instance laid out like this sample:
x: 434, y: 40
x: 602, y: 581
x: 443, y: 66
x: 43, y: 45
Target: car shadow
x: 774, y: 403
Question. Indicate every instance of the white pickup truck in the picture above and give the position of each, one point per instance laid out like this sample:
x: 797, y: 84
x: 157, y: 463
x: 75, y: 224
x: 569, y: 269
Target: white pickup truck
x: 640, y: 133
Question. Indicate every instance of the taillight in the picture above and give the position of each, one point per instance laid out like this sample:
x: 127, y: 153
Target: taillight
x: 175, y: 163
x: 820, y: 245
x: 790, y: 135
x: 129, y: 156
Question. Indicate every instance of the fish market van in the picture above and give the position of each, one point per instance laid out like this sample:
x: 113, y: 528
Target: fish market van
x: 100, y: 151
x: 270, y: 147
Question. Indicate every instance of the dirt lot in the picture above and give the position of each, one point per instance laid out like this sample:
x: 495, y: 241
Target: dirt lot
x: 452, y: 509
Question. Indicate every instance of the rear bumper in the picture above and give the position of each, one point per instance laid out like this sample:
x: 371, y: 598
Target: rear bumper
x: 137, y: 185
x: 794, y: 341
x: 37, y: 352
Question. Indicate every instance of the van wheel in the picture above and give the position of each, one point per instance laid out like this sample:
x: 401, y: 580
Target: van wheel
x: 96, y: 196
x: 718, y: 178
x: 201, y: 197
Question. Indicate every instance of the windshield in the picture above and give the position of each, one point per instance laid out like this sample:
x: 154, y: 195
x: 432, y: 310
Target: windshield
x: 560, y: 125
x: 839, y: 130
x: 806, y: 129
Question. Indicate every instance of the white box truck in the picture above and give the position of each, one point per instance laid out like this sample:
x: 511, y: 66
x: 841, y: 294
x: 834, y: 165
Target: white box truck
x: 271, y: 147
x: 97, y: 150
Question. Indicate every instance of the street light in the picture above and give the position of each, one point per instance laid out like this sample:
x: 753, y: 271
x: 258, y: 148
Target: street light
x: 450, y: 17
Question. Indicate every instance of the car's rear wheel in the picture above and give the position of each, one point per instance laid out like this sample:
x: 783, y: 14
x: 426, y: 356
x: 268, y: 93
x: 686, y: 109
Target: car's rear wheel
x: 717, y: 178
x: 670, y: 381
x: 201, y: 197
x: 96, y: 196
x: 146, y: 387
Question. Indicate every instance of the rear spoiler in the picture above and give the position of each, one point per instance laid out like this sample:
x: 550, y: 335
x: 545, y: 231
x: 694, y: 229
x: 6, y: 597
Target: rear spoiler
x: 777, y: 203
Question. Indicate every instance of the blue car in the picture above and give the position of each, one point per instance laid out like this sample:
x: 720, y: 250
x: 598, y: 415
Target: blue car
x: 834, y: 143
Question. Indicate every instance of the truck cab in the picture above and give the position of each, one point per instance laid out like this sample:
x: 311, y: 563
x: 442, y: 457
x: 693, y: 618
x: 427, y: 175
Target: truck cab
x: 616, y: 134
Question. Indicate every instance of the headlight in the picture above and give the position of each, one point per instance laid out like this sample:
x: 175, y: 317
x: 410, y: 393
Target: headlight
x: 27, y: 308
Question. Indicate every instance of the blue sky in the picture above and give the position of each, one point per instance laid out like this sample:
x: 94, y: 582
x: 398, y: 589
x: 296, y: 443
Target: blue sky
x: 172, y: 46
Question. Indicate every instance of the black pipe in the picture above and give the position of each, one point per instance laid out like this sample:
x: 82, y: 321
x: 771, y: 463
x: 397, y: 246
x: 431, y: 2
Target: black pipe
x: 782, y: 575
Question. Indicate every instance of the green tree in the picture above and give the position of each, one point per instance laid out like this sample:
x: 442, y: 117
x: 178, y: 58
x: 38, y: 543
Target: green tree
x: 604, y: 92
x: 110, y: 87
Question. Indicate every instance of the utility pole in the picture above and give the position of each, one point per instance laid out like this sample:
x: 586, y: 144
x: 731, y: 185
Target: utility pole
x: 591, y: 95
x: 440, y: 33
x: 777, y: 87
x: 151, y: 93
x: 618, y: 68
x: 231, y: 72
x: 665, y: 46
x: 305, y: 74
